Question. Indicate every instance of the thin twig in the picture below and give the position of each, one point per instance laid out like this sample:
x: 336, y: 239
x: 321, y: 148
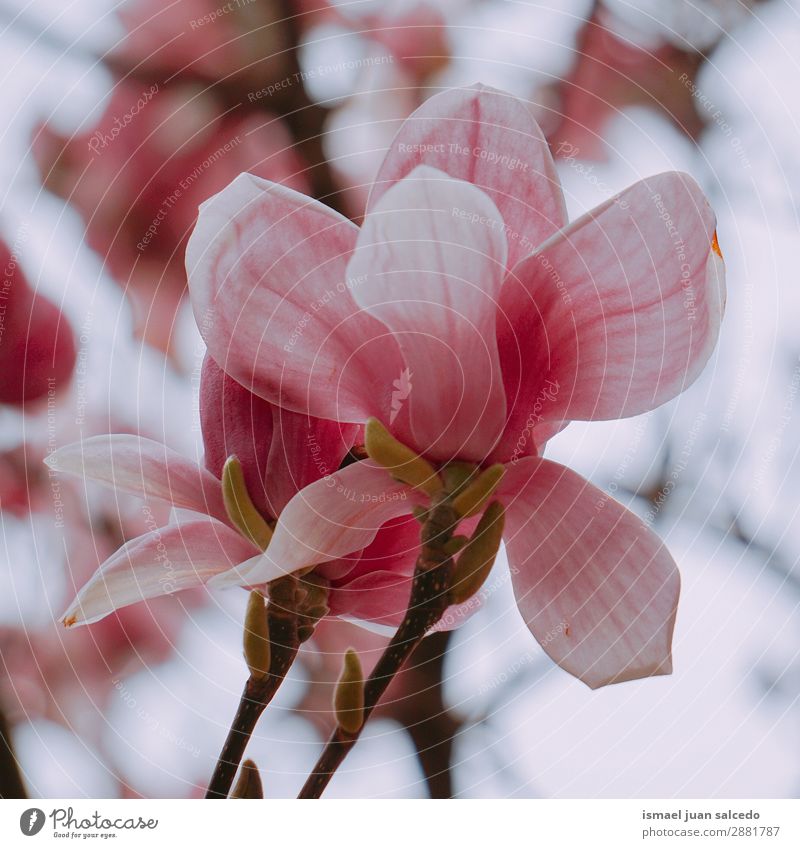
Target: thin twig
x: 257, y: 694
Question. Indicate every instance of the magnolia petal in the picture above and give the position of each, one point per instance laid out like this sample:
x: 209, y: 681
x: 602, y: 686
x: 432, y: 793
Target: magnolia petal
x: 142, y: 467
x: 328, y: 520
x: 280, y: 451
x: 380, y: 597
x: 303, y: 450
x: 267, y: 277
x: 616, y: 314
x: 378, y: 585
x: 167, y: 560
x: 596, y: 587
x: 395, y: 548
x: 488, y: 138
x: 432, y: 253
x: 235, y: 422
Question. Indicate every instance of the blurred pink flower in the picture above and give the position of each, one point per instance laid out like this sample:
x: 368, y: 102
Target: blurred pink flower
x: 611, y: 73
x: 413, y: 33
x: 280, y: 453
x: 512, y: 322
x: 140, y: 173
x: 37, y: 346
x: 205, y: 39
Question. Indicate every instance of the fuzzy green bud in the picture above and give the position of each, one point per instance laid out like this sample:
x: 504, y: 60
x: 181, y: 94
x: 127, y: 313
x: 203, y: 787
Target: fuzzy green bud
x: 457, y: 475
x: 348, y: 701
x: 256, y: 637
x: 241, y: 510
x: 400, y: 461
x: 478, y: 555
x: 249, y: 783
x: 471, y: 500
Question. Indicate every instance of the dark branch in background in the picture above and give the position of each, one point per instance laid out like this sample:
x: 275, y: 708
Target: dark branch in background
x: 11, y: 783
x: 306, y: 120
x: 408, y: 636
x: 423, y: 713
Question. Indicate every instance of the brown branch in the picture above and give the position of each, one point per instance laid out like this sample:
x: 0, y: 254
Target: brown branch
x: 257, y: 694
x: 429, y: 599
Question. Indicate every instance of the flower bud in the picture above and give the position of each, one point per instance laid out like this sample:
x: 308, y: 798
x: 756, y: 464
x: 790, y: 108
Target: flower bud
x: 249, y: 783
x: 241, y: 511
x: 348, y: 701
x: 256, y: 637
x: 471, y: 500
x: 478, y: 555
x: 401, y: 462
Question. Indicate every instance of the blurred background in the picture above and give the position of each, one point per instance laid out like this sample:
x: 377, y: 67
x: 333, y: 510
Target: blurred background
x: 120, y: 118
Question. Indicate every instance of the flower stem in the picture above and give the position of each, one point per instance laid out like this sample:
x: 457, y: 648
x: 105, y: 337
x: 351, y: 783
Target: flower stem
x: 430, y: 590
x: 257, y: 694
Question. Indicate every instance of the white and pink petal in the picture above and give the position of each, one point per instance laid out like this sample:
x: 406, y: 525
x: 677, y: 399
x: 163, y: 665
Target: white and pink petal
x: 488, y: 138
x: 596, y: 587
x: 616, y: 314
x: 280, y: 451
x: 161, y: 562
x: 328, y: 520
x: 432, y: 255
x: 268, y: 283
x: 142, y: 467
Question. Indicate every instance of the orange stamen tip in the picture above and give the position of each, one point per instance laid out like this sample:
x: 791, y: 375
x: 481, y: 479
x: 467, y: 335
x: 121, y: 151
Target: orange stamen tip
x: 68, y: 622
x: 715, y: 245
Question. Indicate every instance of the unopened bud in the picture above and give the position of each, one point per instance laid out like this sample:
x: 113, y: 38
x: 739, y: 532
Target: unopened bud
x: 401, y: 462
x: 471, y: 500
x: 249, y: 783
x: 241, y: 510
x: 256, y: 637
x: 348, y: 701
x: 478, y: 555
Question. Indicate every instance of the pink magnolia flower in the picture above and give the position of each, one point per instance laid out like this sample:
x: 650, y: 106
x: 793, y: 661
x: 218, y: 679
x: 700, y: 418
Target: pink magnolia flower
x: 280, y: 452
x: 508, y: 322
